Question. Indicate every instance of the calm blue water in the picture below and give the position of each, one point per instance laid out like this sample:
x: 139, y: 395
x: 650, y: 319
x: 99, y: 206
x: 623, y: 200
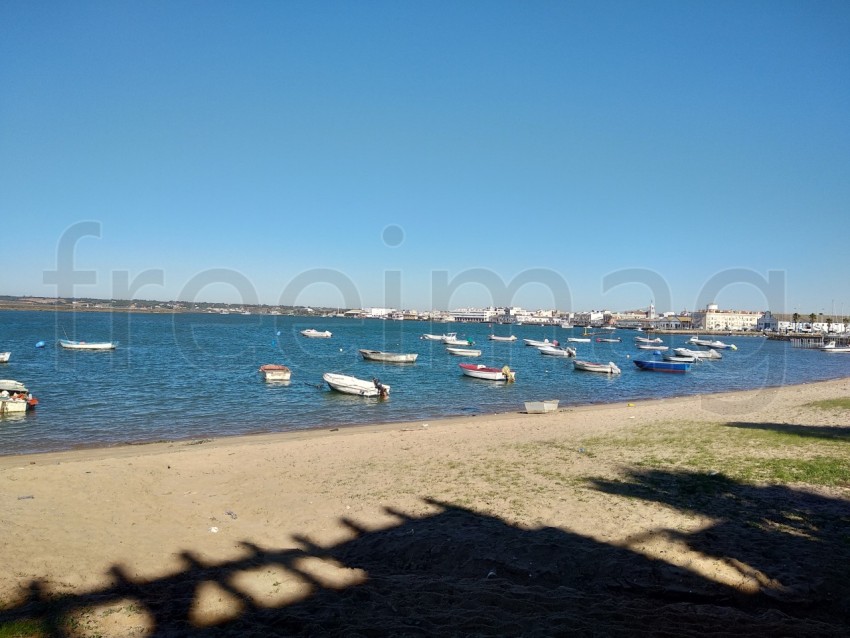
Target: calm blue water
x: 192, y: 376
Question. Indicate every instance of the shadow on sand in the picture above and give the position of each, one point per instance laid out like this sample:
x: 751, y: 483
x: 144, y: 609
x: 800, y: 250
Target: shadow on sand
x: 460, y: 573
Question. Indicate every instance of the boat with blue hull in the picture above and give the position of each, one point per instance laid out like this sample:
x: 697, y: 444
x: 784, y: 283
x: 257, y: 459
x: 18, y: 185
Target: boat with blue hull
x: 658, y: 365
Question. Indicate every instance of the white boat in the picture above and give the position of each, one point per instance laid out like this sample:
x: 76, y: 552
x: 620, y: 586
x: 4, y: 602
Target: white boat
x: 538, y: 344
x: 353, y: 385
x: 316, y: 334
x: 710, y: 343
x: 698, y: 354
x: 486, y: 372
x: 389, y: 357
x: 579, y: 339
x: 275, y: 372
x: 430, y: 337
x: 590, y: 366
x: 15, y: 398
x: 680, y: 358
x: 648, y: 340
x: 70, y: 344
x: 554, y: 351
x: 4, y: 357
x: 464, y: 352
x: 454, y: 341
x: 541, y: 407
x: 608, y: 340
x: 498, y: 338
x: 835, y: 349
x: 652, y: 346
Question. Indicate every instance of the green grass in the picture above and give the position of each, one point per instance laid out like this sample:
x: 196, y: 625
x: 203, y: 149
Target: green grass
x: 830, y: 404
x: 23, y: 629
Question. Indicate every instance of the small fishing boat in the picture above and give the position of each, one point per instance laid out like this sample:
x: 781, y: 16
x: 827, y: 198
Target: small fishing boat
x: 554, y: 351
x: 680, y: 358
x: 389, y: 357
x: 537, y: 343
x: 275, y: 372
x: 463, y: 352
x: 710, y: 343
x: 541, y: 407
x: 698, y: 354
x: 657, y: 365
x: 430, y: 337
x: 579, y: 339
x: 648, y: 340
x: 608, y: 340
x: 454, y: 341
x: 833, y: 348
x: 488, y: 373
x: 15, y: 398
x: 4, y: 357
x: 652, y: 346
x: 316, y: 334
x: 590, y: 366
x: 70, y: 344
x: 352, y: 385
x: 498, y: 338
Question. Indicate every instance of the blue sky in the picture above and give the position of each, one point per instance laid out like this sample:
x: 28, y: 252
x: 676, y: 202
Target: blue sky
x: 326, y: 153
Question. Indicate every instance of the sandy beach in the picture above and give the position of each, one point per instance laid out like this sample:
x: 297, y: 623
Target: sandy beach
x: 724, y: 514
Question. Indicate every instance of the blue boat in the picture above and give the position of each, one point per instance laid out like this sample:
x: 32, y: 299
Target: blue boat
x: 658, y: 365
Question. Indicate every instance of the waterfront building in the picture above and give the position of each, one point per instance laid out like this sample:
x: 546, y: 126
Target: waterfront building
x: 712, y: 318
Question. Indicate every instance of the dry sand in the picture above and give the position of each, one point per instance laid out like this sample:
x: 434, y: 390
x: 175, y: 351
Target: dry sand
x: 621, y: 519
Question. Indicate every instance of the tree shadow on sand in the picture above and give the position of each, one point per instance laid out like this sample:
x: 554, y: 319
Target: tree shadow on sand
x: 457, y: 572
x: 826, y: 432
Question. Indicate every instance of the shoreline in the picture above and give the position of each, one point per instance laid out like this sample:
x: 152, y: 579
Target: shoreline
x: 389, y: 425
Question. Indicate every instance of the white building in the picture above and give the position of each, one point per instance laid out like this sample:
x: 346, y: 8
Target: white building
x: 712, y: 318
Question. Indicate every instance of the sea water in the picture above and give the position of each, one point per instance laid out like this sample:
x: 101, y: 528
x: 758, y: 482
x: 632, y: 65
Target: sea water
x: 188, y: 376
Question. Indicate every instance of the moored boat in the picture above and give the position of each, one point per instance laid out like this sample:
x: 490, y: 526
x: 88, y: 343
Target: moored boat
x: 608, y: 340
x: 648, y: 340
x: 454, y: 341
x: 591, y: 366
x: 71, y: 344
x: 431, y: 337
x: 488, y: 373
x: 554, y: 351
x: 352, y: 385
x: 538, y: 343
x: 389, y: 357
x: 15, y: 398
x: 579, y: 339
x: 652, y: 346
x: 275, y: 372
x: 712, y: 343
x: 498, y: 338
x: 657, y: 365
x: 463, y: 352
x: 317, y: 334
x: 4, y: 357
x: 835, y: 349
x: 680, y: 358
x: 698, y: 354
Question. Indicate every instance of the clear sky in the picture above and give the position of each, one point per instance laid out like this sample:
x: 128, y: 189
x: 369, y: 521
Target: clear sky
x: 429, y: 154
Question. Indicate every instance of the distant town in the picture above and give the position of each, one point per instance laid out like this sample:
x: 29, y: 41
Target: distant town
x: 710, y: 319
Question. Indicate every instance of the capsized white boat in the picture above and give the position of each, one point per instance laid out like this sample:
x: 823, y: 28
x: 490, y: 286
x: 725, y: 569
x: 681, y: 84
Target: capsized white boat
x: 71, y: 344
x: 275, y: 372
x: 353, y: 385
x: 591, y: 366
x: 316, y: 334
x: 541, y: 407
x: 15, y: 398
x: 498, y: 338
x: 4, y: 357
x: 389, y: 357
x: 486, y: 372
x: 555, y: 351
x: 463, y: 352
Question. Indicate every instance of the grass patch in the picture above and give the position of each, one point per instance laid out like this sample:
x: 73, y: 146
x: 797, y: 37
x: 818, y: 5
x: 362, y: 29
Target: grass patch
x: 830, y: 404
x: 24, y: 629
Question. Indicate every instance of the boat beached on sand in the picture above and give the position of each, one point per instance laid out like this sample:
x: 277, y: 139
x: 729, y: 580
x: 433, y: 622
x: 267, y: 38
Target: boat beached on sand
x: 352, y: 385
x: 70, y: 344
x: 389, y: 357
x: 488, y: 373
x: 15, y: 398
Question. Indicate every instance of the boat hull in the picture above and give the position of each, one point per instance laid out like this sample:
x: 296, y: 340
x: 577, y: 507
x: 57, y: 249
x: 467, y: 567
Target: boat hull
x: 352, y: 385
x: 487, y: 373
x: 464, y: 352
x: 663, y: 366
x: 69, y: 344
x: 497, y: 338
x: 389, y: 357
x: 591, y: 366
x: 316, y: 334
x: 274, y: 372
x: 4, y: 357
x: 541, y: 407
